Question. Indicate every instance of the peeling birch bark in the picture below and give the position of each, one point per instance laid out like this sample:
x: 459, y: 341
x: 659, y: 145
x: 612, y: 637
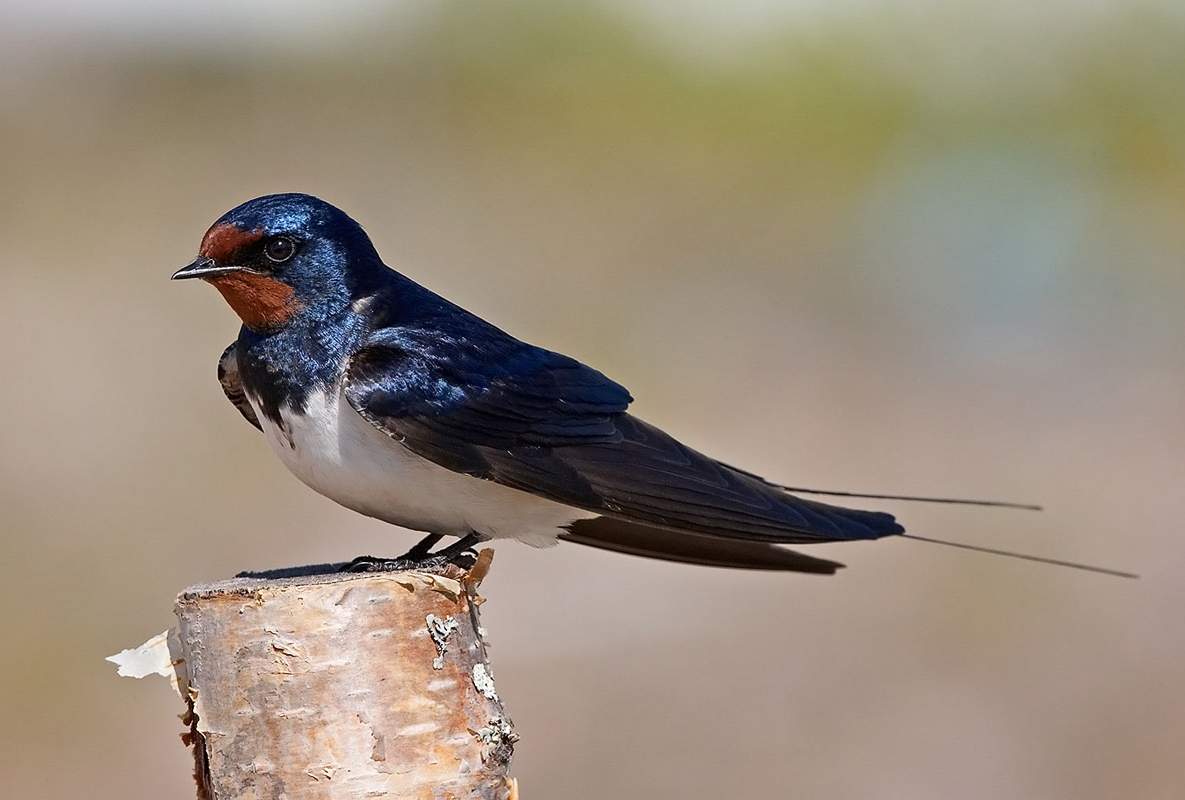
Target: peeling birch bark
x: 342, y: 686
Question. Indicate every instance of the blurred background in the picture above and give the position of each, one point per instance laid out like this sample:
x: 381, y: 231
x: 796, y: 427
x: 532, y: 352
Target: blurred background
x: 883, y: 246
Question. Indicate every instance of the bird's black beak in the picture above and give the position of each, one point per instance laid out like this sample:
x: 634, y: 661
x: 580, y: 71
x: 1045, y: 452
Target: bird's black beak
x: 202, y: 267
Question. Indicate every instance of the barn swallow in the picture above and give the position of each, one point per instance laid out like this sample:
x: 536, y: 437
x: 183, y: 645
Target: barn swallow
x: 402, y: 406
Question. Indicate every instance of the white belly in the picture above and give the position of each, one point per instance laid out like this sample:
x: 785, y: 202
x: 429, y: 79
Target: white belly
x: 336, y: 452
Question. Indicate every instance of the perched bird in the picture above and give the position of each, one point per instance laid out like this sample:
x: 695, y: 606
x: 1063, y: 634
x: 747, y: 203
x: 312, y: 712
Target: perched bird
x: 398, y: 404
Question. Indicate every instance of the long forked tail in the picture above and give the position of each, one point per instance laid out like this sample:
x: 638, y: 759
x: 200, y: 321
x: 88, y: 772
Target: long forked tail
x: 991, y: 550
x: 1023, y: 556
x: 966, y: 502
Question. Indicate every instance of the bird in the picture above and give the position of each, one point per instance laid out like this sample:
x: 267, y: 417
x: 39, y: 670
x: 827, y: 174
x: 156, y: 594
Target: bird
x: 400, y: 405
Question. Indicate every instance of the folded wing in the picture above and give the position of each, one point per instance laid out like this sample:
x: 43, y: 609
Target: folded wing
x: 499, y: 409
x: 232, y: 385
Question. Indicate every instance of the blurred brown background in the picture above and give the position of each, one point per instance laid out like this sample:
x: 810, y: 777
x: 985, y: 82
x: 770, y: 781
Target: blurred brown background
x: 911, y: 247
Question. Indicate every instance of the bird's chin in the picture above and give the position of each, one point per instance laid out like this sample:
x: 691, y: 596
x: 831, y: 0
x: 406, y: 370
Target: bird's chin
x: 261, y: 301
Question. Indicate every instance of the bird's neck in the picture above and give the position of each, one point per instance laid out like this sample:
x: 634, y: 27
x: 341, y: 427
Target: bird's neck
x: 284, y: 367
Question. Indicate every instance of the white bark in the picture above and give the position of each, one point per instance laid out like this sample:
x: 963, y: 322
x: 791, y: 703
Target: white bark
x: 342, y: 686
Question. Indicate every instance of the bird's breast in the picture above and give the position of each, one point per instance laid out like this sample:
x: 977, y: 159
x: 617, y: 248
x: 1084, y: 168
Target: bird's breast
x: 333, y: 450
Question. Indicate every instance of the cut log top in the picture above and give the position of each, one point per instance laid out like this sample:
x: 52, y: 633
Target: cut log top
x: 312, y: 684
x: 450, y: 580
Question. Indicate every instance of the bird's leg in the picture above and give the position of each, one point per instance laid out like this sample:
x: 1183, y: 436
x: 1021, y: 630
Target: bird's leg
x: 420, y: 556
x: 421, y: 549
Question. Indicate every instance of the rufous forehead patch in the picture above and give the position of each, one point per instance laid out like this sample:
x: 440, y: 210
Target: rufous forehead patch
x: 224, y: 241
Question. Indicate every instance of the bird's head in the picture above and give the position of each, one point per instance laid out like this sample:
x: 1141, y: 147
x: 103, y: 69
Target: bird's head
x: 284, y: 257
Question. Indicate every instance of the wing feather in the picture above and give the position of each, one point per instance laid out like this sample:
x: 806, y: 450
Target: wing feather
x: 533, y: 420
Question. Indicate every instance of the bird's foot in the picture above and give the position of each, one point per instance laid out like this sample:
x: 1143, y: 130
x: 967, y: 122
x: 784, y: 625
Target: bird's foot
x: 376, y: 564
x: 460, y: 554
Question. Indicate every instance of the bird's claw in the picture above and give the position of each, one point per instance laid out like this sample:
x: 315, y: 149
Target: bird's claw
x: 464, y: 559
x: 375, y: 564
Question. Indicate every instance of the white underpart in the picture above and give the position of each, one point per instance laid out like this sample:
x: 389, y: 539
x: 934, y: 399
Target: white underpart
x: 336, y: 452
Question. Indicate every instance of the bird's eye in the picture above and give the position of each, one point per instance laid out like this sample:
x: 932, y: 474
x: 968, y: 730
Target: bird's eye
x: 280, y: 249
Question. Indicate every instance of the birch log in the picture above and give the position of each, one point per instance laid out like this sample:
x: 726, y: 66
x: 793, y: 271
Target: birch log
x: 342, y: 686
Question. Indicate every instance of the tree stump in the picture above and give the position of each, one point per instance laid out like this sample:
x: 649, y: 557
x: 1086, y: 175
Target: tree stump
x: 313, y: 684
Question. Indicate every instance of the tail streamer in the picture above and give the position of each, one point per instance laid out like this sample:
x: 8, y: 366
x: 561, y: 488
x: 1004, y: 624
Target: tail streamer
x: 1023, y: 556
